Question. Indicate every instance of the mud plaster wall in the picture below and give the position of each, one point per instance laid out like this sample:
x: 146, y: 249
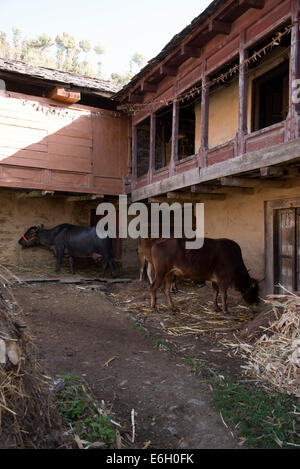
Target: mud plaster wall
x: 241, y: 217
x: 18, y: 214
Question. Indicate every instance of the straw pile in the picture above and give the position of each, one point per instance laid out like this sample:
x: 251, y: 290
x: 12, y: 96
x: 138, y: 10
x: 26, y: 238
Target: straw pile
x: 27, y: 417
x: 274, y: 358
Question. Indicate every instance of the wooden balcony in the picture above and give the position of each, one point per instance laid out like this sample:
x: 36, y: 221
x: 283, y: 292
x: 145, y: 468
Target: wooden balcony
x: 55, y: 147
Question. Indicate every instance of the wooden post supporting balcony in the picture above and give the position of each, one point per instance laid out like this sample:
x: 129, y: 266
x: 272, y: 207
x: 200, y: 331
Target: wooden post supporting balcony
x: 134, y: 158
x: 243, y: 98
x: 293, y: 118
x: 175, y: 126
x: 202, y: 156
x: 152, y: 147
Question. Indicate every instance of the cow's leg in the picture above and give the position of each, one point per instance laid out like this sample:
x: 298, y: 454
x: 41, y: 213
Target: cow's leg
x: 154, y: 287
x: 111, y: 266
x: 167, y: 289
x: 142, y: 261
x: 71, y: 265
x: 223, y: 293
x: 149, y: 272
x: 104, y: 267
x: 59, y: 258
x: 142, y: 266
x: 215, y: 295
x: 174, y: 287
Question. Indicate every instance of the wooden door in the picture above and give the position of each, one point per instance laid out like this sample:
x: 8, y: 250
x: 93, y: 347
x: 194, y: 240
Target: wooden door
x: 287, y: 249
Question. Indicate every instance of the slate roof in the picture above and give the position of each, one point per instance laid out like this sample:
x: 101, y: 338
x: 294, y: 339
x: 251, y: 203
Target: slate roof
x: 104, y: 87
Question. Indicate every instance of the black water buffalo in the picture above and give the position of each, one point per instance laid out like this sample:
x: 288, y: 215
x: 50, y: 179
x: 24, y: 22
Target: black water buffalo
x: 71, y: 241
x: 219, y: 260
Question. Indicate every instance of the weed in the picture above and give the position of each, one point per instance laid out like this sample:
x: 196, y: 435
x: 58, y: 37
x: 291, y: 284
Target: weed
x: 263, y: 419
x: 135, y: 324
x: 79, y: 411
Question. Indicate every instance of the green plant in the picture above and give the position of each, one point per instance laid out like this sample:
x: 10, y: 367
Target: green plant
x: 79, y: 411
x: 264, y: 419
x: 198, y: 367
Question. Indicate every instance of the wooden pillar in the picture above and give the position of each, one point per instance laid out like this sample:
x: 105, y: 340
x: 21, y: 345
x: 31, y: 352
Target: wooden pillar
x: 202, y: 156
x: 134, y: 157
x: 175, y: 126
x: 293, y: 119
x: 152, y: 147
x: 243, y: 98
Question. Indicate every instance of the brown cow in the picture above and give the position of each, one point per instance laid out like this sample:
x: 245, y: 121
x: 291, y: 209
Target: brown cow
x: 144, y: 253
x: 219, y: 260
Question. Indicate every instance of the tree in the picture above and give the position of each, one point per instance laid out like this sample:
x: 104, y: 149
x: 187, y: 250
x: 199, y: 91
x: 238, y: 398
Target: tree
x: 99, y: 50
x: 42, y: 43
x: 135, y: 63
x: 138, y: 59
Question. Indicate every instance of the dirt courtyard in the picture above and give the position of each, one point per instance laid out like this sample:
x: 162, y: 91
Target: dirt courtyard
x: 106, y: 334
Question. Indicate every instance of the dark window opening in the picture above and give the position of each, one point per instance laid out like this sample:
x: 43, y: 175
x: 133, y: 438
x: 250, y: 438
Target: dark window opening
x: 186, y: 128
x: 163, y: 136
x: 270, y: 91
x: 143, y: 147
x: 271, y: 97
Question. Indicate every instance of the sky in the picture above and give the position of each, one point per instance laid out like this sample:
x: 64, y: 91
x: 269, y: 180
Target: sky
x: 122, y: 27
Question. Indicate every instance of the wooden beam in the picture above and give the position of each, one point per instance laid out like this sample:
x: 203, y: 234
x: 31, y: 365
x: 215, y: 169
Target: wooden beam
x: 135, y: 99
x: 82, y: 198
x: 219, y: 27
x: 152, y: 147
x: 202, y: 156
x: 204, y: 189
x: 243, y: 96
x: 293, y: 117
x: 193, y: 197
x: 188, y: 51
x: 258, y: 4
x: 238, y: 182
x: 148, y: 87
x: 234, y: 184
x: 166, y: 70
x: 33, y: 194
x: 174, y: 145
x: 133, y: 156
x: 64, y: 95
x: 279, y: 172
x: 187, y: 200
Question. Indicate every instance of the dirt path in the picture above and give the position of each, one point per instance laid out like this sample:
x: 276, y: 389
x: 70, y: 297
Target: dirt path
x: 78, y: 330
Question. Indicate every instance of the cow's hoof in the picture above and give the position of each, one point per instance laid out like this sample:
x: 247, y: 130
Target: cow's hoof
x: 218, y: 310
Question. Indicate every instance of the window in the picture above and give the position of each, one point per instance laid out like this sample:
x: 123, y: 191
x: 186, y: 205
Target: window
x: 186, y: 128
x: 163, y: 136
x: 271, y: 97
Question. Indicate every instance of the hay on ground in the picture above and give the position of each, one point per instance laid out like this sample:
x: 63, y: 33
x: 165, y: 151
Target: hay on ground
x: 28, y: 419
x: 274, y: 358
